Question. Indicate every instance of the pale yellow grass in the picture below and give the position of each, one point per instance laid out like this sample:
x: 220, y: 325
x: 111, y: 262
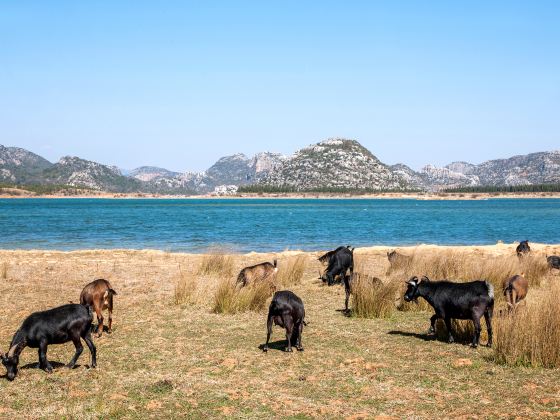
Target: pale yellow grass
x: 530, y: 335
x: 184, y: 361
x: 290, y: 270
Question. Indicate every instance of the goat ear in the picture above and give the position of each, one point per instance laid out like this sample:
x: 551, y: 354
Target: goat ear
x: 425, y: 278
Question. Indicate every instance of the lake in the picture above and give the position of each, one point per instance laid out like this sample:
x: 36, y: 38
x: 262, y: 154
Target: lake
x: 243, y: 225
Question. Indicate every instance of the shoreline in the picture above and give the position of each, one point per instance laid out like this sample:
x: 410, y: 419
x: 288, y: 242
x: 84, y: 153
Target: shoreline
x: 498, y: 248
x: 293, y: 196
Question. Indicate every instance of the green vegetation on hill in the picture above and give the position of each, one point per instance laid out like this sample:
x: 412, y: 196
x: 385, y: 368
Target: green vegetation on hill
x: 43, y: 189
x: 272, y: 189
x: 508, y: 189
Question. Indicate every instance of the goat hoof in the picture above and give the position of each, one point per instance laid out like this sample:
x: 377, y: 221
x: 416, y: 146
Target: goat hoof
x: 300, y: 348
x: 49, y: 369
x: 265, y: 349
x: 451, y: 340
x: 288, y: 350
x: 93, y: 365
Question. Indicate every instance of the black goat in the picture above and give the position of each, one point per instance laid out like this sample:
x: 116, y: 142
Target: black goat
x: 340, y: 261
x: 523, y: 249
x: 286, y: 310
x: 451, y: 300
x: 553, y: 261
x: 55, y: 326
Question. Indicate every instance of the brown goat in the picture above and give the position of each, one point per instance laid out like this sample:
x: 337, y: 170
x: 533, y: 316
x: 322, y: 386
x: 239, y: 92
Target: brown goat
x: 257, y: 273
x: 515, y: 290
x: 99, y: 295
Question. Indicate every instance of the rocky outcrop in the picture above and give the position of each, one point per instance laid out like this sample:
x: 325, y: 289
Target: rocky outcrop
x: 333, y: 164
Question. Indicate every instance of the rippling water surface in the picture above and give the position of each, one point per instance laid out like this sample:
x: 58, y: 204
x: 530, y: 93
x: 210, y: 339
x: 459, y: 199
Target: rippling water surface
x: 270, y: 225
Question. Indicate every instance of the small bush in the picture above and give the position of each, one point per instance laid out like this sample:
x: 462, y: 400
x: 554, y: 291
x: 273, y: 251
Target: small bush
x: 529, y: 336
x: 185, y: 289
x: 219, y: 264
x: 231, y: 299
x: 371, y: 298
x: 290, y: 271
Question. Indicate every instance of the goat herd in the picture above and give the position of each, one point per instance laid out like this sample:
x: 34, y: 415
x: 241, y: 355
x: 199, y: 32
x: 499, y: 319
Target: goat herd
x: 73, y: 322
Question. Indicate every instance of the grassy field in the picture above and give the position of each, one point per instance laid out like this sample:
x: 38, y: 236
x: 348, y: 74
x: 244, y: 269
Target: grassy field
x: 172, y: 356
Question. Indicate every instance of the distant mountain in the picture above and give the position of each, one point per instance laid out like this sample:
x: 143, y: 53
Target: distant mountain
x: 21, y: 166
x: 149, y: 173
x: 334, y: 164
x: 535, y: 168
x: 78, y: 172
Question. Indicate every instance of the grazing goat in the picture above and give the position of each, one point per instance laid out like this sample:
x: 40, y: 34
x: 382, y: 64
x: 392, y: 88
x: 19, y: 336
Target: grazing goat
x: 553, y: 262
x: 523, y: 249
x: 257, y: 273
x: 455, y: 301
x: 515, y: 289
x: 286, y: 310
x: 397, y: 261
x: 99, y: 295
x: 340, y: 261
x: 70, y: 322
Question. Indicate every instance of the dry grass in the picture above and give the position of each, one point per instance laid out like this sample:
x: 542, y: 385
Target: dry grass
x: 371, y: 298
x: 535, y: 268
x: 216, y: 264
x: 229, y: 298
x: 530, y: 335
x: 290, y: 271
x: 4, y: 271
x: 184, y: 361
x: 185, y: 288
x: 465, y: 266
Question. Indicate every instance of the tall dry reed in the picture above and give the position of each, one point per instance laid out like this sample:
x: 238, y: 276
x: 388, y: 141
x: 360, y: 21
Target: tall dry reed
x: 530, y: 335
x: 217, y: 264
x: 290, y: 271
x: 371, y: 298
x: 185, y: 288
x: 229, y: 298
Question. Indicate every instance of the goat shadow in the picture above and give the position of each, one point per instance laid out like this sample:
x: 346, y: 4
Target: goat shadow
x: 279, y: 345
x: 35, y: 365
x: 441, y: 337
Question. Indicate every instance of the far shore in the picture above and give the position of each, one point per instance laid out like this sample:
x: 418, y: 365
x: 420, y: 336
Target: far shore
x: 7, y: 193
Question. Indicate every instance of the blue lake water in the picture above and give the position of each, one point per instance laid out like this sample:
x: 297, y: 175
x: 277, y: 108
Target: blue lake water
x: 270, y: 225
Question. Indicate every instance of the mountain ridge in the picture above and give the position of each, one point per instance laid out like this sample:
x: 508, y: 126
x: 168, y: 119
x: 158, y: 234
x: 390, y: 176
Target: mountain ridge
x: 336, y: 164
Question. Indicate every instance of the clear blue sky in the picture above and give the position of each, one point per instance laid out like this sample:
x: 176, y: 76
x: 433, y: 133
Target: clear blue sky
x: 179, y: 84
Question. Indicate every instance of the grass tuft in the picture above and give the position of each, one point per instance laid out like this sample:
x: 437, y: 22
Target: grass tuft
x: 529, y: 336
x: 185, y: 289
x: 371, y: 298
x: 290, y: 272
x: 219, y: 264
x: 231, y: 299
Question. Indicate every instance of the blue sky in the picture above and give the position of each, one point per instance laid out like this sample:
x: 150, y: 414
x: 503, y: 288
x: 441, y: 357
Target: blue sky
x: 179, y: 84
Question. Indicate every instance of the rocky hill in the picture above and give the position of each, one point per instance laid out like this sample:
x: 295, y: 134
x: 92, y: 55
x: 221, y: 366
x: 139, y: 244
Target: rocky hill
x: 535, y: 168
x: 21, y: 166
x: 334, y: 164
x: 84, y: 173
